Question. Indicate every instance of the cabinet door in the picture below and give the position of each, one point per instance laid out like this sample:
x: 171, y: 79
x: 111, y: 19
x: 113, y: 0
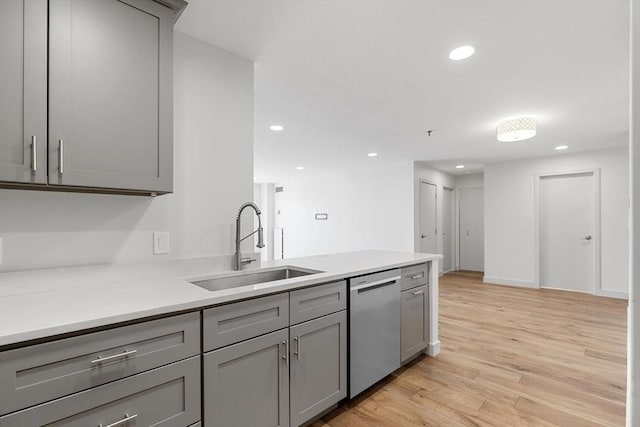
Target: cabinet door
x: 318, y: 366
x: 247, y: 384
x: 23, y: 91
x: 415, y: 322
x: 110, y: 94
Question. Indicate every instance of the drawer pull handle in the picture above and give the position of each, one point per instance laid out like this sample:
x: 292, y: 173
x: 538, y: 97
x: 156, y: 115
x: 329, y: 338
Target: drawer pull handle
x: 285, y: 357
x: 417, y: 293
x: 126, y: 419
x: 101, y: 359
x: 417, y: 276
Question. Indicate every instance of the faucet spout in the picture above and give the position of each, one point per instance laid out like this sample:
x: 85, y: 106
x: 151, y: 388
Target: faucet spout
x: 239, y: 261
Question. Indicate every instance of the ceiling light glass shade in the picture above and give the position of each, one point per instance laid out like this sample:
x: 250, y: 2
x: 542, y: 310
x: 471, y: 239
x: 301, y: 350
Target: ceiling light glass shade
x: 513, y: 130
x: 462, y: 52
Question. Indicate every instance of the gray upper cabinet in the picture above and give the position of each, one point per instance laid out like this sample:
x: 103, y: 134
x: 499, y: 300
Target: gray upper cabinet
x: 318, y: 366
x: 110, y: 94
x: 415, y: 322
x: 247, y: 384
x: 23, y: 91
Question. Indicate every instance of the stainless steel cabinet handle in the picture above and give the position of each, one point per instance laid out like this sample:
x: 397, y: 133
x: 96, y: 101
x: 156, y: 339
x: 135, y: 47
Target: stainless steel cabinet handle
x: 101, y: 359
x: 297, y: 352
x: 364, y: 285
x: 126, y: 419
x: 417, y: 276
x: 417, y: 293
x: 285, y: 357
x: 34, y: 153
x: 61, y: 156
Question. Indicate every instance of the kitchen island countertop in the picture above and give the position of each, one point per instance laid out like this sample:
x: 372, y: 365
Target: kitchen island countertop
x: 44, y: 303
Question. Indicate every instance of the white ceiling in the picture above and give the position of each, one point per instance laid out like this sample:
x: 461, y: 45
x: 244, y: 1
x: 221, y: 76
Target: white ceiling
x: 348, y: 77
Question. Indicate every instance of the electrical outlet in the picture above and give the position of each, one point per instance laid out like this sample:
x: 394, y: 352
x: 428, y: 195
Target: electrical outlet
x: 160, y: 242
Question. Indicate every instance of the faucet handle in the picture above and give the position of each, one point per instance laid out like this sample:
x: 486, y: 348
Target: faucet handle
x: 247, y: 260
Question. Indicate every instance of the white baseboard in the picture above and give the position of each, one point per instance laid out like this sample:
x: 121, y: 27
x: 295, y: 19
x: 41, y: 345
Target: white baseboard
x: 509, y: 282
x: 433, y: 349
x: 612, y: 294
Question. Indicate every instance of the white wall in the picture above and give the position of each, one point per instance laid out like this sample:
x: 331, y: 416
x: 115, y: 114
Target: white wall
x: 213, y: 136
x: 470, y: 180
x: 633, y: 319
x: 368, y: 209
x: 510, y: 224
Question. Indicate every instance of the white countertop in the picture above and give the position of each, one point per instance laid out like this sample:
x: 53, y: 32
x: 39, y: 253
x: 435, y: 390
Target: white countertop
x: 42, y: 303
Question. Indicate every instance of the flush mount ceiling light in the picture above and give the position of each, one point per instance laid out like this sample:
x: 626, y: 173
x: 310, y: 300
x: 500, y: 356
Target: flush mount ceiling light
x: 513, y: 130
x: 300, y: 168
x: 459, y: 166
x: 372, y: 154
x: 562, y: 147
x: 276, y: 128
x: 462, y: 52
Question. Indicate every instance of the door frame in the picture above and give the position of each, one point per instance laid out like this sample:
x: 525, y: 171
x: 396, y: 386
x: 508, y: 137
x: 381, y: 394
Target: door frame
x: 419, y: 233
x: 597, y: 260
x: 453, y: 231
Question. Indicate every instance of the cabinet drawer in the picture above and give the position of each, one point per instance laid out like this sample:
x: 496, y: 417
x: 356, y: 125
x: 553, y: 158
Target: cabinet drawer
x: 167, y: 397
x: 232, y: 323
x: 43, y: 372
x: 415, y: 275
x: 317, y: 301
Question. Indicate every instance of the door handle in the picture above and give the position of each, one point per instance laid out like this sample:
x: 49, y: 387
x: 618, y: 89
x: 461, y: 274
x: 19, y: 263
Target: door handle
x: 297, y: 352
x: 285, y: 357
x: 587, y: 237
x: 422, y: 236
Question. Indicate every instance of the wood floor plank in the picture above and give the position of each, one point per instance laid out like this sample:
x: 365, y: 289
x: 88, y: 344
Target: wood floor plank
x: 510, y: 357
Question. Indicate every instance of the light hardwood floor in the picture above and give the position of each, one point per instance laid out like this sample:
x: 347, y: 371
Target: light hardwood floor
x: 510, y: 357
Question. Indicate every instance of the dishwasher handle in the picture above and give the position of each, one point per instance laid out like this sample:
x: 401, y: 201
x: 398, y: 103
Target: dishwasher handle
x: 373, y: 285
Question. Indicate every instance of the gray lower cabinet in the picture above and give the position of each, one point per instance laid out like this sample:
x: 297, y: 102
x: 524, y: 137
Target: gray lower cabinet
x: 247, y: 384
x: 415, y: 321
x: 168, y: 396
x: 23, y: 91
x: 110, y: 94
x: 39, y: 373
x: 318, y: 366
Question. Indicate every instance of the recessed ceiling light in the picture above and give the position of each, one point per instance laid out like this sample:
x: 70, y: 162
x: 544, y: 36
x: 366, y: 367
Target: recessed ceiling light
x: 300, y: 168
x: 562, y: 147
x: 372, y: 154
x: 462, y: 52
x: 276, y: 128
x: 460, y: 167
x: 518, y: 129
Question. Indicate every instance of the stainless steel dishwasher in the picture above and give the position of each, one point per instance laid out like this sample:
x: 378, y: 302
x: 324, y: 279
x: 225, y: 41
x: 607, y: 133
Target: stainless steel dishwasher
x: 374, y: 334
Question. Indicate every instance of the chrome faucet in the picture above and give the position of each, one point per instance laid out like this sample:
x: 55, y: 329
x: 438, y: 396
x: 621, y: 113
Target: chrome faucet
x: 239, y: 261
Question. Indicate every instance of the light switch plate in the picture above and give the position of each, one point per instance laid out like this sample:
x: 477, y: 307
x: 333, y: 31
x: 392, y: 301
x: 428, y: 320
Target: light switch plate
x: 160, y: 242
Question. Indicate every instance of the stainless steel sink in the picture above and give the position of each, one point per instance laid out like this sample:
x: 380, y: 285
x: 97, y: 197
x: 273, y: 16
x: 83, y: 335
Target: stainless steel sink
x: 253, y: 278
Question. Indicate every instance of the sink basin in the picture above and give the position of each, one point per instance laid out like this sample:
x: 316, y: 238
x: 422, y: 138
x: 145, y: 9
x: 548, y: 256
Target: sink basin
x: 253, y: 278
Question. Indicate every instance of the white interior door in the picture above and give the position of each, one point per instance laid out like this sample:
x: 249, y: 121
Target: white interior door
x: 471, y: 229
x: 447, y: 229
x: 428, y: 218
x: 567, y: 232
